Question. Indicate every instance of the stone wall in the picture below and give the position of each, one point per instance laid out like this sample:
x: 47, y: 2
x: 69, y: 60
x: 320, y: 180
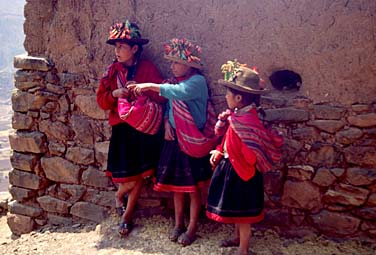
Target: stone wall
x: 326, y: 182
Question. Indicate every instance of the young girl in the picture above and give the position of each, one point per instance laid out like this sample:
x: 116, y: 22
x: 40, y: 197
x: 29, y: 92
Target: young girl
x: 184, y: 163
x: 247, y: 150
x: 132, y: 155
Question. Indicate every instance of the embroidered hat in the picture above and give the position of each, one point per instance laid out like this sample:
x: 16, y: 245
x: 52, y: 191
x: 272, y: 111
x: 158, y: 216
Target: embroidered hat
x: 183, y: 51
x: 240, y: 77
x: 126, y: 32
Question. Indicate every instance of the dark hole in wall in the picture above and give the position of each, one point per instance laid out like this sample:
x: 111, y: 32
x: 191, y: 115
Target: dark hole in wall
x: 286, y: 80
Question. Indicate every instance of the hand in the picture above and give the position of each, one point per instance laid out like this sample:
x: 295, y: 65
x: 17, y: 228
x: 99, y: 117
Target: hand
x: 224, y: 115
x: 215, y: 157
x: 120, y: 93
x: 169, y: 131
x: 137, y: 89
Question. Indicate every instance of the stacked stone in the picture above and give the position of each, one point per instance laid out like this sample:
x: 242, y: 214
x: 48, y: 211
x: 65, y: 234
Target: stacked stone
x: 59, y: 150
x: 327, y: 181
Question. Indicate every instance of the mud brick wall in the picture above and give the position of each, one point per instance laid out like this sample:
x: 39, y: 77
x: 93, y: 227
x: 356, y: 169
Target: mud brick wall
x: 326, y: 182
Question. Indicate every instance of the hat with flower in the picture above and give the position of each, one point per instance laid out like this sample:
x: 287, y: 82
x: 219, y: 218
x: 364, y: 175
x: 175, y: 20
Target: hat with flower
x: 183, y: 51
x: 126, y: 32
x: 242, y: 78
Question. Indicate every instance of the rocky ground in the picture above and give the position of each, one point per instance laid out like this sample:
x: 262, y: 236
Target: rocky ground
x: 150, y: 238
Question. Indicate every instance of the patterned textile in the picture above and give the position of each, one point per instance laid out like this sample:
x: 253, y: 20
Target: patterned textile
x: 265, y: 143
x: 193, y: 141
x: 143, y: 114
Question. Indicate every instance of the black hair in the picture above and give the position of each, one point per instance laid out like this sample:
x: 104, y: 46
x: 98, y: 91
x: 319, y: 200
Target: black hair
x: 248, y: 98
x: 137, y: 54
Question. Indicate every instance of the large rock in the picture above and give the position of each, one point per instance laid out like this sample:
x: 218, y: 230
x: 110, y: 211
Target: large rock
x: 61, y: 170
x: 101, y: 151
x: 88, y: 105
x: 335, y: 224
x: 31, y: 63
x: 363, y: 120
x: 18, y: 208
x: 94, y: 177
x: 51, y: 204
x: 349, y: 135
x: 82, y: 129
x: 56, y: 129
x: 56, y: 148
x: 102, y: 198
x: 20, y: 101
x: 360, y: 176
x: 80, y: 155
x: 22, y: 121
x: 361, y: 155
x: 20, y: 224
x: 324, y: 177
x: 301, y: 173
x: 34, y: 142
x: 72, y: 193
x: 273, y: 181
x: 368, y: 213
x: 328, y: 112
x: 322, y: 155
x: 27, y: 180
x: 330, y: 126
x: 59, y: 220
x: 21, y: 194
x: 305, y: 133
x: 302, y: 195
x: 288, y: 114
x: 89, y: 211
x: 26, y: 162
x: 346, y: 195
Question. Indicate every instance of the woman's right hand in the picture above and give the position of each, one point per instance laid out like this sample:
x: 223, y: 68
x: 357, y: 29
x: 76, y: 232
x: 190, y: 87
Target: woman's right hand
x: 120, y: 93
x: 169, y: 131
x: 215, y: 158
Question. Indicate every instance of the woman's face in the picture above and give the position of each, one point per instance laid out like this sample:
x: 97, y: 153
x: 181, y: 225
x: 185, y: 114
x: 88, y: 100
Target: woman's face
x: 179, y: 69
x: 125, y: 53
x: 232, y: 100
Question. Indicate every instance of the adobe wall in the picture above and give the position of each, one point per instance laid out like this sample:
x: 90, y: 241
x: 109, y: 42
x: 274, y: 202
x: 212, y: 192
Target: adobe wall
x: 326, y: 182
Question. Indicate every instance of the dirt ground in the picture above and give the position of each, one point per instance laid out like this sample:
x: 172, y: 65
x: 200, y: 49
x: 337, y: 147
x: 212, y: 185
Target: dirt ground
x: 149, y: 237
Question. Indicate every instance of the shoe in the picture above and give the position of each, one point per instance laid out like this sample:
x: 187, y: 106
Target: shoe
x: 184, y: 239
x: 175, y: 233
x: 125, y: 229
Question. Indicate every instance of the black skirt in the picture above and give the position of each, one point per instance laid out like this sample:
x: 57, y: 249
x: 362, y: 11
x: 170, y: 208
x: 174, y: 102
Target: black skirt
x: 132, y: 155
x: 233, y: 200
x: 178, y: 172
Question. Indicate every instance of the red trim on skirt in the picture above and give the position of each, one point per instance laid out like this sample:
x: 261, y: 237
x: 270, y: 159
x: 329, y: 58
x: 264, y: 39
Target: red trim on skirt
x: 134, y: 178
x: 186, y: 189
x: 232, y: 220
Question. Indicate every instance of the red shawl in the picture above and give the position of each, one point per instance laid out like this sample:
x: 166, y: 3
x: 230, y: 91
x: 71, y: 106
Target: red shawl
x: 264, y: 143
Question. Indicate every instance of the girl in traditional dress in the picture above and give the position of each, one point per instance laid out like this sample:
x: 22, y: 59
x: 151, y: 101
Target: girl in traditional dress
x: 236, y: 192
x: 184, y: 164
x: 133, y: 155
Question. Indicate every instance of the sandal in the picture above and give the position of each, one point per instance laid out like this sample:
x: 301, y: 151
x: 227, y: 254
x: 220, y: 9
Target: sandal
x: 125, y: 229
x: 231, y: 242
x: 175, y: 233
x: 120, y: 210
x: 184, y: 239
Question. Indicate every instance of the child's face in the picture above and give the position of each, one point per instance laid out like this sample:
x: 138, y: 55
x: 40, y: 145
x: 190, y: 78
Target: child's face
x: 232, y: 100
x: 125, y: 53
x: 179, y: 69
